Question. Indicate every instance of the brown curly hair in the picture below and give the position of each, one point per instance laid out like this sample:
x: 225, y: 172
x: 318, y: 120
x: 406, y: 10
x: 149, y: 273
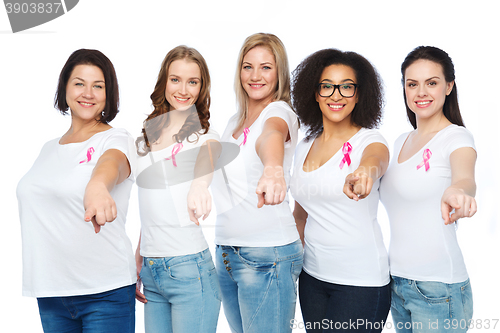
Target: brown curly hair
x: 197, y: 122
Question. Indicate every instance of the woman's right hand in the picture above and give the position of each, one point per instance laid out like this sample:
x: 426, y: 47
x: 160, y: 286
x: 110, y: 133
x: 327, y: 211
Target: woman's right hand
x: 138, y: 263
x: 272, y: 188
x: 358, y: 185
x: 199, y: 201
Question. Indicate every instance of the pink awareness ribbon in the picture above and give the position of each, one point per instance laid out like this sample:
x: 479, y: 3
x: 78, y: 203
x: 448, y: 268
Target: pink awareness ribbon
x: 427, y: 156
x: 245, y: 134
x: 90, y: 151
x: 177, y: 148
x: 346, y: 150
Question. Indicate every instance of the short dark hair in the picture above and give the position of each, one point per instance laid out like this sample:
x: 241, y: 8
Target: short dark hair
x: 450, y: 108
x: 367, y: 112
x: 94, y: 58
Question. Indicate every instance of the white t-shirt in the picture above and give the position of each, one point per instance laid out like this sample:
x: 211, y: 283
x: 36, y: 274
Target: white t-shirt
x: 343, y: 240
x: 166, y: 229
x: 239, y: 221
x: 422, y: 247
x: 62, y: 255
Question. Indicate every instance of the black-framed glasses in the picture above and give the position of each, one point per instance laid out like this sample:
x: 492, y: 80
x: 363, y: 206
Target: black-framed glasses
x: 347, y: 90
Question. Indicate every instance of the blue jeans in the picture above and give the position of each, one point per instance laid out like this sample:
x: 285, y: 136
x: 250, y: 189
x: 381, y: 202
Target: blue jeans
x: 108, y: 312
x: 259, y: 286
x: 183, y: 294
x: 331, y: 307
x: 429, y: 306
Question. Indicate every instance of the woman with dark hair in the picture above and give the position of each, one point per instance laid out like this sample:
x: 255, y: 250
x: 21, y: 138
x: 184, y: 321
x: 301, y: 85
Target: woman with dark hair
x: 258, y: 254
x: 81, y: 278
x: 177, y: 151
x: 431, y: 174
x: 338, y: 98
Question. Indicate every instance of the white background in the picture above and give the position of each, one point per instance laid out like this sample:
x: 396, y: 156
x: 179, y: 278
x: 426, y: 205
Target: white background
x: 136, y: 35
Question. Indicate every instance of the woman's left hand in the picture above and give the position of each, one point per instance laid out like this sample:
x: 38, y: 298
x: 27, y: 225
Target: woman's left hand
x: 199, y: 201
x: 272, y: 188
x: 454, y: 198
x: 99, y: 205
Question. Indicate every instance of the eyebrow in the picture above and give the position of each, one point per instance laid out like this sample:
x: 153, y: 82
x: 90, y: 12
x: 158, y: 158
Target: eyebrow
x: 194, y: 77
x: 262, y: 63
x: 431, y: 78
x: 343, y: 81
x: 78, y: 78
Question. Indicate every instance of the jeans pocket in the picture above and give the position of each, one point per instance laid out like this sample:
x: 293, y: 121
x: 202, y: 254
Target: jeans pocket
x: 432, y: 292
x: 258, y: 259
x: 214, y: 283
x: 467, y: 301
x: 184, y: 271
x: 296, y: 270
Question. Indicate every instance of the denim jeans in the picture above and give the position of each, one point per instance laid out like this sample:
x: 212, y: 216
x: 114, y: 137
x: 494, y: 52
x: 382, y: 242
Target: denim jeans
x: 259, y: 286
x: 331, y: 307
x: 183, y: 294
x: 429, y: 306
x: 108, y: 312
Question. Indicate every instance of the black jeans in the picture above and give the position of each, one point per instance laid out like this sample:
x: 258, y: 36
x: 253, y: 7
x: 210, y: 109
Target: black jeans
x: 330, y: 307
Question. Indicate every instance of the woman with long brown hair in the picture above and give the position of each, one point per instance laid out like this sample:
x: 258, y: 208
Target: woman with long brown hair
x: 181, y: 291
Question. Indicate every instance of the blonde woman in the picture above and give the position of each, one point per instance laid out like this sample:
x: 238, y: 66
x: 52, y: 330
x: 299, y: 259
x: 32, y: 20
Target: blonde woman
x: 259, y: 253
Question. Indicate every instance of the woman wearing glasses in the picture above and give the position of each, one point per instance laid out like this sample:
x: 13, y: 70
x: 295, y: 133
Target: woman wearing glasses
x: 431, y: 173
x: 345, y: 279
x: 259, y: 254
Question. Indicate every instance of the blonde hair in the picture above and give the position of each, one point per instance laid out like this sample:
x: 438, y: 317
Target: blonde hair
x: 276, y: 47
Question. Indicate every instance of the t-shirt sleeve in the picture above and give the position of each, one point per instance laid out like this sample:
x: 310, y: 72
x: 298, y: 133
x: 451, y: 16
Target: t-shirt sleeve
x: 459, y: 137
x: 210, y: 135
x: 373, y: 136
x: 280, y: 110
x: 283, y: 111
x: 121, y: 140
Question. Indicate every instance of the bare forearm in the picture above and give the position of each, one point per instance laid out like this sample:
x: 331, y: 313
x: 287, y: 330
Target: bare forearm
x: 373, y: 166
x: 468, y: 186
x: 111, y: 169
x: 270, y: 149
x: 301, y: 225
x: 374, y: 161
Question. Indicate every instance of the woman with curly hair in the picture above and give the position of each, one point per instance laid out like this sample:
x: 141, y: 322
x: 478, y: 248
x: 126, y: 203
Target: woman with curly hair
x: 338, y: 98
x: 259, y: 255
x: 181, y: 291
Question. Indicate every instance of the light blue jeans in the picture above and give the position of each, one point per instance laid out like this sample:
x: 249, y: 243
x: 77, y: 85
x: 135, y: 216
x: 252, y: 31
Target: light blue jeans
x: 259, y: 286
x: 183, y: 294
x: 430, y: 307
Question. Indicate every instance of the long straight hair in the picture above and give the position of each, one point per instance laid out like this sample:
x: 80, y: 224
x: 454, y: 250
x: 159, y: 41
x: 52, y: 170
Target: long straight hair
x: 450, y: 108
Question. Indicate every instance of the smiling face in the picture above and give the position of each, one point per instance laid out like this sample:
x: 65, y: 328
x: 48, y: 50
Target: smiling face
x: 259, y: 74
x: 337, y: 108
x: 426, y: 88
x: 86, y: 93
x: 183, y: 84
